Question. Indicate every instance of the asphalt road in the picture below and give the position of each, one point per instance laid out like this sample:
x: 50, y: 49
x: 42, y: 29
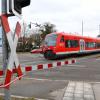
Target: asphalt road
x: 85, y: 69
x: 48, y: 83
x: 34, y: 59
x: 27, y: 59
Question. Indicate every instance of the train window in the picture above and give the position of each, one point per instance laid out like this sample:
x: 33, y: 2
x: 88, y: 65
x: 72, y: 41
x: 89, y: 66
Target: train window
x: 71, y: 43
x: 50, y: 40
x: 62, y: 39
x: 90, y: 44
x: 67, y: 43
x: 75, y: 43
x: 86, y: 44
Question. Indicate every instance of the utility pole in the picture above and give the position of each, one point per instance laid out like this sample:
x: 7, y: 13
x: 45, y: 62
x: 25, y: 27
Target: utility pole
x: 5, y: 51
x: 99, y: 29
x: 82, y: 27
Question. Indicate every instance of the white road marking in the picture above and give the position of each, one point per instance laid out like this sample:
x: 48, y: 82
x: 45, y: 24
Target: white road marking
x: 15, y: 96
x: 21, y: 97
x: 98, y: 59
x: 77, y: 65
x: 40, y: 79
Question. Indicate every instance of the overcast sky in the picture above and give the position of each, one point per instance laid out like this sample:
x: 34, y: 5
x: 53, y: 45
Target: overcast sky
x: 67, y: 15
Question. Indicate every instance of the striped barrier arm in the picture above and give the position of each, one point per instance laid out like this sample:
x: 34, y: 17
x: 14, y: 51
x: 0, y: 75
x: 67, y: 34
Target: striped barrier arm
x: 38, y: 67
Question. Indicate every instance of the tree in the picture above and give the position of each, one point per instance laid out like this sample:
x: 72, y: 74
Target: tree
x: 36, y: 39
x: 47, y: 28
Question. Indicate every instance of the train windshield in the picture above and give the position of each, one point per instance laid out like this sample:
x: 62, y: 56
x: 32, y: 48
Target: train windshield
x: 50, y: 40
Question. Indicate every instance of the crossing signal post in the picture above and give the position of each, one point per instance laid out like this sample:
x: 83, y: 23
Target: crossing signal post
x: 9, y: 8
x: 14, y: 7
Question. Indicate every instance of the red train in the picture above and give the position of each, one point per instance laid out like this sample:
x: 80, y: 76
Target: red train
x: 58, y: 44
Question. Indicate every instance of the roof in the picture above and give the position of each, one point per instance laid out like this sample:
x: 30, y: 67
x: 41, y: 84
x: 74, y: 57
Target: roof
x: 76, y: 35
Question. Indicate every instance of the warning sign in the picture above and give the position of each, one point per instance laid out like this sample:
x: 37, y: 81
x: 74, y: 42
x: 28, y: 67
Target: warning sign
x: 13, y: 61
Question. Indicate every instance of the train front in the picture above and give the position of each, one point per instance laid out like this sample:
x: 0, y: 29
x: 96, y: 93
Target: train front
x: 49, y: 46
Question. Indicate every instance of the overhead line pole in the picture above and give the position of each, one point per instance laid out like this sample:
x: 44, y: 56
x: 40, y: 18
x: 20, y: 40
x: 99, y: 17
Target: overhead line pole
x: 82, y: 27
x: 99, y: 29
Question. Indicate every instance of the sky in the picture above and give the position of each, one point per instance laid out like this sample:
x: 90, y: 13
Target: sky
x: 67, y: 15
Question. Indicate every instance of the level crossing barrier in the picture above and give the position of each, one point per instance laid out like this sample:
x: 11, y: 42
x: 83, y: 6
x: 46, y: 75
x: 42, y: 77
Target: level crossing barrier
x: 38, y: 67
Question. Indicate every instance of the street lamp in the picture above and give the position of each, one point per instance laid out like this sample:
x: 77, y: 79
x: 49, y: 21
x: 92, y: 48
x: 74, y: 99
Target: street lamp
x: 36, y: 24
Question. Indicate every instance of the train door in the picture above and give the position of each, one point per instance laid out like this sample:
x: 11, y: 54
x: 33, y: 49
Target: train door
x: 82, y: 45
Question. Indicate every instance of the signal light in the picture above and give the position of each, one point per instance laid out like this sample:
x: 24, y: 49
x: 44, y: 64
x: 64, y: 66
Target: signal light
x: 19, y: 4
x: 14, y: 7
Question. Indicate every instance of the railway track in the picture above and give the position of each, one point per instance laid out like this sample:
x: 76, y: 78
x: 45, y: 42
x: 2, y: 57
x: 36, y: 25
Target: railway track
x: 33, y: 59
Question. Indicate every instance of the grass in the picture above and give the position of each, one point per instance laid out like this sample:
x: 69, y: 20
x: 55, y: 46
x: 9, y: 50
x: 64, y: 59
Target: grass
x: 1, y: 98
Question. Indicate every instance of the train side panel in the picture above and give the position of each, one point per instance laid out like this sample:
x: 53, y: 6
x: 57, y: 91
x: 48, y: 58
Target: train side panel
x: 69, y: 44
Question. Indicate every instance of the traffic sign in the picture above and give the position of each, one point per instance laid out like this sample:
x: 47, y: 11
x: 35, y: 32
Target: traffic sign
x: 12, y: 40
